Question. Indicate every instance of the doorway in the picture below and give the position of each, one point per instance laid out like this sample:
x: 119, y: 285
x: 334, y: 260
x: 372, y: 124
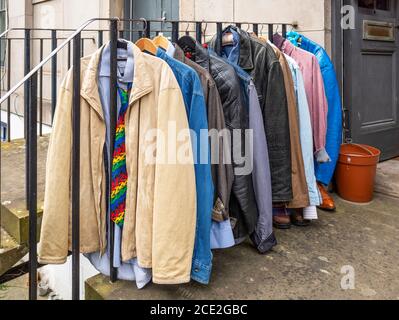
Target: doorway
x: 155, y: 10
x: 371, y: 75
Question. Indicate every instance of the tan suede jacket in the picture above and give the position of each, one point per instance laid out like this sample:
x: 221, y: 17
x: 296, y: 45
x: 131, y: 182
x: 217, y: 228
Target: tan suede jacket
x: 160, y: 218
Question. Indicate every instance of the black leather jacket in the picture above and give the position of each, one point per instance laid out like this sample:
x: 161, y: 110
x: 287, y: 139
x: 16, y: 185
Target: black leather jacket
x: 243, y: 210
x: 260, y: 62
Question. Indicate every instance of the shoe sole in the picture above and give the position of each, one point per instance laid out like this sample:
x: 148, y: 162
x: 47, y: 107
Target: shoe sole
x: 282, y: 226
x: 301, y: 225
x: 327, y: 210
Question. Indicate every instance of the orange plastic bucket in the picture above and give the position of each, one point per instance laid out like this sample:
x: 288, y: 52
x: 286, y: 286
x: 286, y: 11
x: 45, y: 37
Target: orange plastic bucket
x: 355, y: 173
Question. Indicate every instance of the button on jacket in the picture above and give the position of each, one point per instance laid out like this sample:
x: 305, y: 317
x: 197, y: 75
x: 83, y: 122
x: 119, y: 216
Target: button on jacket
x: 191, y: 88
x: 222, y: 173
x: 314, y: 91
x: 160, y: 217
x: 325, y: 171
x: 259, y: 60
x: 299, y: 185
x: 242, y: 207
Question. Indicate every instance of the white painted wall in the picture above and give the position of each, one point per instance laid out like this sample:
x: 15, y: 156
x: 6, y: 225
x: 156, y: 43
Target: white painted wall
x: 313, y: 16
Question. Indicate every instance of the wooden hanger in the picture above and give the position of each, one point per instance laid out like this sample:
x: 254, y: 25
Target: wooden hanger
x: 146, y: 45
x: 161, y: 42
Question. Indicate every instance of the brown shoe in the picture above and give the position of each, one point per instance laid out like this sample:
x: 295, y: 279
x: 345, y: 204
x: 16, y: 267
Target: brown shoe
x: 328, y: 203
x: 298, y: 220
x: 281, y: 219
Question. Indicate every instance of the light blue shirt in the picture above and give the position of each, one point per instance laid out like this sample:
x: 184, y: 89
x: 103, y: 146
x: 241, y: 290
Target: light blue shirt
x: 305, y: 128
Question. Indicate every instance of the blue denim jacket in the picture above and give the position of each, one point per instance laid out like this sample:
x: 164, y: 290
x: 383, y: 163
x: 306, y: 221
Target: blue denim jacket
x: 193, y: 96
x: 325, y: 171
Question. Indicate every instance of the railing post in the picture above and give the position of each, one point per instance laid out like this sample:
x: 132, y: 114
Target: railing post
x: 32, y: 172
x: 69, y: 55
x: 100, y: 38
x: 8, y: 89
x: 82, y: 49
x: 76, y: 169
x: 284, y: 31
x: 26, y: 111
x: 175, y: 31
x: 198, y: 32
x: 219, y: 32
x: 113, y: 105
x: 255, y: 29
x: 53, y: 73
x: 271, y: 32
x: 41, y: 91
x: 147, y: 31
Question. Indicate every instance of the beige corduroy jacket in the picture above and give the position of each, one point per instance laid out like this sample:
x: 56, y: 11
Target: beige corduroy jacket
x: 160, y: 218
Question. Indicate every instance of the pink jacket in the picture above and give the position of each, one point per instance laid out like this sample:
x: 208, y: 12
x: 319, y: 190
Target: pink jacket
x: 315, y: 94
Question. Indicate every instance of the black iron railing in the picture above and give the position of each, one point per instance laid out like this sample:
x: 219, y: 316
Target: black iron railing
x: 32, y: 91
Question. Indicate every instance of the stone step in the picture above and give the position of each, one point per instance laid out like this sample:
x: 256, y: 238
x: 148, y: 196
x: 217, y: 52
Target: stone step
x: 10, y: 251
x: 14, y: 215
x: 17, y: 289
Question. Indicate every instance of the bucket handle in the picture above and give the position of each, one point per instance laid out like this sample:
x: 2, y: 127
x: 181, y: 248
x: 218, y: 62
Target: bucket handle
x: 363, y: 148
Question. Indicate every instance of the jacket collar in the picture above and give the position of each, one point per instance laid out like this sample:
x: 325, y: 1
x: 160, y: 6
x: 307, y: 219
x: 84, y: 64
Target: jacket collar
x: 282, y: 44
x: 179, y: 54
x: 246, y: 59
x: 142, y: 81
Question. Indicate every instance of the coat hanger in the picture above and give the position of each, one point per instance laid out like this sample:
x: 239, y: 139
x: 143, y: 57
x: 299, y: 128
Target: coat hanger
x: 204, y: 32
x: 262, y: 37
x: 146, y: 45
x: 187, y: 31
x: 161, y: 41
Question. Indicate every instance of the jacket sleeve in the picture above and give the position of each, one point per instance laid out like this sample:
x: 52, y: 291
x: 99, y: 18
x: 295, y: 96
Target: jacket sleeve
x: 278, y: 134
x: 174, y: 210
x: 320, y: 109
x: 222, y: 172
x: 53, y: 247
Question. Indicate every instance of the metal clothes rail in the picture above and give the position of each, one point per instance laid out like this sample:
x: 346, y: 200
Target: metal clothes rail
x: 31, y: 88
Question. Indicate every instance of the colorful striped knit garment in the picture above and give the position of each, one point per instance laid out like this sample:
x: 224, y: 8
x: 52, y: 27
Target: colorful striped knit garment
x: 119, y: 171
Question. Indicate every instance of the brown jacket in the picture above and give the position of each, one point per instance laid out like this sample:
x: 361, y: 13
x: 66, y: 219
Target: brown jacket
x: 222, y: 174
x: 160, y: 218
x: 299, y: 185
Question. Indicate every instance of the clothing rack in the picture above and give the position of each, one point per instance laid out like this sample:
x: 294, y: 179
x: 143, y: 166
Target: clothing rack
x: 175, y: 33
x: 30, y: 83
